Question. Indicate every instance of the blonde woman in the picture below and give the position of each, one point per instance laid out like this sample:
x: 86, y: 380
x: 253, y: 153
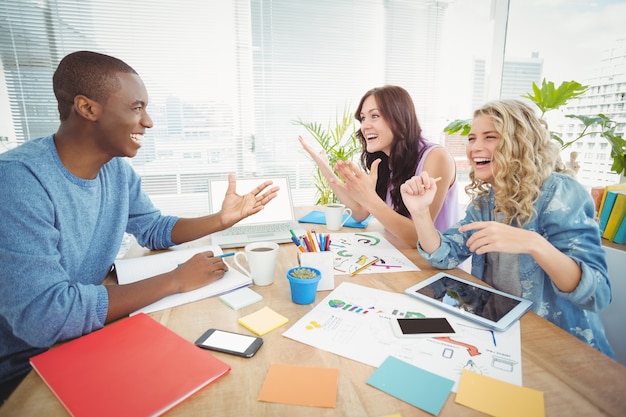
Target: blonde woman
x: 530, y: 231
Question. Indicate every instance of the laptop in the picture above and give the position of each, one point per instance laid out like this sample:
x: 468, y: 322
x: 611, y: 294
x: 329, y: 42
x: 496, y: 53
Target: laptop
x: 271, y: 224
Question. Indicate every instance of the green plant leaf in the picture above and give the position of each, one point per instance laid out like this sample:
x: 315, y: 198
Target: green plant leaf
x: 549, y: 98
x: 338, y: 139
x: 462, y: 125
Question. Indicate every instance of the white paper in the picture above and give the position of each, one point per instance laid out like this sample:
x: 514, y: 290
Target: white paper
x: 136, y: 269
x: 351, y: 249
x: 324, y: 262
x: 354, y: 321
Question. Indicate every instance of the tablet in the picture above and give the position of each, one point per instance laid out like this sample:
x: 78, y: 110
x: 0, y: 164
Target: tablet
x: 494, y: 309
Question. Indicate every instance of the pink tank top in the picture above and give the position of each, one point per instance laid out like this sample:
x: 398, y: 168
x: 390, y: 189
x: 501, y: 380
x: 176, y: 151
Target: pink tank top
x: 449, y: 213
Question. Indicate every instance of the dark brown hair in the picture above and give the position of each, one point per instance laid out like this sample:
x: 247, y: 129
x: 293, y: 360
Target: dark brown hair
x: 397, y: 109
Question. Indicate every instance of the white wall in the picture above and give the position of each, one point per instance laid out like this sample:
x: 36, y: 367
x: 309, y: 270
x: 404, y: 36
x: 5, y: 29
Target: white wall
x: 613, y: 317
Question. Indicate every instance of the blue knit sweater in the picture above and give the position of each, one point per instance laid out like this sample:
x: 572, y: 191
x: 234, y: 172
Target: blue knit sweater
x: 59, y: 235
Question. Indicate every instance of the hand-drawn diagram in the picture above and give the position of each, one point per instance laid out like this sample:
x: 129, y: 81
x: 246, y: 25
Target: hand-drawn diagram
x: 354, y: 321
x: 353, y: 250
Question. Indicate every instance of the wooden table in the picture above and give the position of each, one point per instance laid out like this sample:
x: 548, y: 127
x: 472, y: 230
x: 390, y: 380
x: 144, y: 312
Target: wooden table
x: 576, y: 379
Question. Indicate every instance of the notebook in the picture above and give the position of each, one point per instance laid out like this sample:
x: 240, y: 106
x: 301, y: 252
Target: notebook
x: 133, y: 367
x: 271, y: 224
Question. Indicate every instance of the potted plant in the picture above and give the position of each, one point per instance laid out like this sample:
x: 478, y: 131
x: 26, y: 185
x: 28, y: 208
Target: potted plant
x: 549, y: 98
x: 303, y: 281
x: 339, y: 142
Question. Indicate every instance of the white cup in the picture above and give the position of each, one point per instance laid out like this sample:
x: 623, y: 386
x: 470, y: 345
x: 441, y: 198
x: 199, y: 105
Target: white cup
x: 335, y: 218
x: 261, y: 257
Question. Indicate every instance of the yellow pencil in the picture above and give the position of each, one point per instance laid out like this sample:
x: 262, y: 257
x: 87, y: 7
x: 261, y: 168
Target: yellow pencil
x: 436, y: 179
x: 364, y: 267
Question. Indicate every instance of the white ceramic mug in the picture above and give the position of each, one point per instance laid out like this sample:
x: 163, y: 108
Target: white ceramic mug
x: 335, y: 218
x: 261, y: 257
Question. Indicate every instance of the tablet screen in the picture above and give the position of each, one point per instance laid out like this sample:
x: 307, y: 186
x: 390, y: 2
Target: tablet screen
x: 470, y: 298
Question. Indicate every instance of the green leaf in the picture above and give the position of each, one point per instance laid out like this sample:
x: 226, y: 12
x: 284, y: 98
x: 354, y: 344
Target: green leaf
x: 339, y: 141
x: 548, y: 98
x: 462, y: 125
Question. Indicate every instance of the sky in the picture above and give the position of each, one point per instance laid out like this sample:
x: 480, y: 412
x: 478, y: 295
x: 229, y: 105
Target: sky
x: 570, y: 35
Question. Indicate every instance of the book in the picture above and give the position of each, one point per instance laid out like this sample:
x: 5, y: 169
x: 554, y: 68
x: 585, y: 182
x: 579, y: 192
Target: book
x: 135, y: 269
x: 318, y: 217
x: 133, y: 367
x: 616, y: 216
x: 606, y: 210
x: 262, y: 321
x: 241, y: 298
x: 605, y: 193
x: 620, y: 236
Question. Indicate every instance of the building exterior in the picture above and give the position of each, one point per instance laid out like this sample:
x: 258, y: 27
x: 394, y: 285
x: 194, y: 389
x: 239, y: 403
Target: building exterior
x: 606, y: 95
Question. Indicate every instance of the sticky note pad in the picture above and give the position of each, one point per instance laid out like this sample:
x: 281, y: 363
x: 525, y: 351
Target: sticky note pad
x: 262, y: 321
x: 411, y: 384
x: 241, y: 298
x: 498, y: 398
x: 300, y: 385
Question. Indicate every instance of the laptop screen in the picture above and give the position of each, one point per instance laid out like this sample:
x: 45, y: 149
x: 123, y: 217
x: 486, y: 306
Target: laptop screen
x: 278, y: 210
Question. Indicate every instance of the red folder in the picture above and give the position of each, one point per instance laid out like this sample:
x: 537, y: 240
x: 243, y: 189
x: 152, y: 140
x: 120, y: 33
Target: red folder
x: 133, y: 367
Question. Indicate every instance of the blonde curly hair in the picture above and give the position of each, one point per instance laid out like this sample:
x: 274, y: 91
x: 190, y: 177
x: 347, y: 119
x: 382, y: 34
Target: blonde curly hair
x: 525, y: 157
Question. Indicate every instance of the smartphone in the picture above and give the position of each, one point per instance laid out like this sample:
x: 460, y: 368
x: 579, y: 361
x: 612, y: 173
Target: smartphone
x: 422, y: 327
x: 229, y: 342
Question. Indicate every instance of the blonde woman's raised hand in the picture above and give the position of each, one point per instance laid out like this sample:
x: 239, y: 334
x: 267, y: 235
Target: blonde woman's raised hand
x: 418, y: 192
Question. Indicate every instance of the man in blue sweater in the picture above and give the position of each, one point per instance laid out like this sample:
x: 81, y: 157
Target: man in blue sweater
x: 67, y: 200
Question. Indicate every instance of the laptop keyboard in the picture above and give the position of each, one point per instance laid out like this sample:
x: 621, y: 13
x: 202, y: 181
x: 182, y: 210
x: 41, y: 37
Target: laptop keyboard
x: 256, y: 228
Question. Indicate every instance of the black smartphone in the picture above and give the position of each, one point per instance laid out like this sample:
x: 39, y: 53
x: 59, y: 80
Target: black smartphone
x: 229, y: 342
x: 422, y: 326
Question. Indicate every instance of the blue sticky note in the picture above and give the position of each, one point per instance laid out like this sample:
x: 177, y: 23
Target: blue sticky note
x: 318, y: 217
x: 411, y: 384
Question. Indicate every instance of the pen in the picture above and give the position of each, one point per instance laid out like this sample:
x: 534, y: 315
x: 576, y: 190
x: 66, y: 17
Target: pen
x: 297, y: 243
x: 364, y: 267
x: 311, y: 241
x: 224, y: 255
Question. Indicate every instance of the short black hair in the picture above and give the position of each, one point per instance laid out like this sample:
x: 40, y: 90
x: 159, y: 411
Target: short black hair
x: 86, y: 73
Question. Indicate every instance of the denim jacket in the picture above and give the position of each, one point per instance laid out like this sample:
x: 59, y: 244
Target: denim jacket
x: 565, y: 217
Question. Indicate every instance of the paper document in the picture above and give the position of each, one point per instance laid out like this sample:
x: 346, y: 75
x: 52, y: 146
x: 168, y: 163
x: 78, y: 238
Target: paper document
x: 136, y: 269
x: 355, y: 322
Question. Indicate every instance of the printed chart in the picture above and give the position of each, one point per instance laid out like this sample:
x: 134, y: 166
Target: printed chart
x: 354, y: 321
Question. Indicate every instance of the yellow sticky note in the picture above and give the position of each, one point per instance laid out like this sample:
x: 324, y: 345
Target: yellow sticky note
x: 498, y: 398
x: 262, y: 321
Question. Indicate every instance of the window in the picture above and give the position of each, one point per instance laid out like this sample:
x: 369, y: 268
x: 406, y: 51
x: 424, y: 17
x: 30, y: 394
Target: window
x: 227, y: 78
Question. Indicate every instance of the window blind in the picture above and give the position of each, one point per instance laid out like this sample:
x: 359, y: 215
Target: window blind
x: 227, y: 79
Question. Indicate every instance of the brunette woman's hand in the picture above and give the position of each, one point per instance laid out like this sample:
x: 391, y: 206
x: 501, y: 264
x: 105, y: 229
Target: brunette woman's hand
x: 360, y: 185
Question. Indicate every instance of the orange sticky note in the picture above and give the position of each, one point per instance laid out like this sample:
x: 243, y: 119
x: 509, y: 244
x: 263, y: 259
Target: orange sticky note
x: 300, y: 385
x: 498, y: 398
